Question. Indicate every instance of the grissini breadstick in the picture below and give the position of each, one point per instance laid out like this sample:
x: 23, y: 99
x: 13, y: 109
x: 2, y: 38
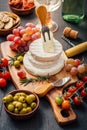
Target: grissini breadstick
x: 76, y: 49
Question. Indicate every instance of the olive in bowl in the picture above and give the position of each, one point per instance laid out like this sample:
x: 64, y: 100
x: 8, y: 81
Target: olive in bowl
x: 21, y: 104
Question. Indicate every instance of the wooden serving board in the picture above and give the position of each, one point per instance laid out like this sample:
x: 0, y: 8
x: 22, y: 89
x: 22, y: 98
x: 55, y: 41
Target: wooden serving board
x: 58, y: 112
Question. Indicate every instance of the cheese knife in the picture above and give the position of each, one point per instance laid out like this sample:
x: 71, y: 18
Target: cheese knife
x: 43, y: 89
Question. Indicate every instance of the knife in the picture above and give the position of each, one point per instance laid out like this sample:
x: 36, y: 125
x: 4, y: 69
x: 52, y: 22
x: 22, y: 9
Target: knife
x: 42, y: 90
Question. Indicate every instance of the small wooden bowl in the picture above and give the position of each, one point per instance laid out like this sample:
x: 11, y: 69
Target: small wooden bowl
x: 22, y: 116
x: 21, y: 11
x: 4, y: 32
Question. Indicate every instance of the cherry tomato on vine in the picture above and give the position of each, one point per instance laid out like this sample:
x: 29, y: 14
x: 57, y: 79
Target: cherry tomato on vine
x: 79, y: 83
x: 72, y: 89
x: 84, y: 92
x: 77, y: 100
x: 6, y: 75
x: 84, y: 78
x: 67, y: 95
x: 3, y: 83
x: 3, y: 62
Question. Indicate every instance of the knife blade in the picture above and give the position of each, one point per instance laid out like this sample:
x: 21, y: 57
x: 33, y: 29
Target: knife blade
x: 42, y: 90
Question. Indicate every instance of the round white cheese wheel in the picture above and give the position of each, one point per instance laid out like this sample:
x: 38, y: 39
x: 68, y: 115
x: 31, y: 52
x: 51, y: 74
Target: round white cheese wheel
x: 40, y: 64
x: 37, y: 51
x: 45, y: 71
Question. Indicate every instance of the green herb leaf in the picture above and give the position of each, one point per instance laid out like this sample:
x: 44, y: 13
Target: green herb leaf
x: 37, y: 79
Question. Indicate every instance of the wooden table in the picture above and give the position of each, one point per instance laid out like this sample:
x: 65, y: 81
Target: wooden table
x: 44, y: 118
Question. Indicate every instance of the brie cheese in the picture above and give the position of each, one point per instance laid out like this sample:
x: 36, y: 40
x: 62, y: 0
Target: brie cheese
x: 46, y: 71
x: 37, y: 51
x: 38, y: 62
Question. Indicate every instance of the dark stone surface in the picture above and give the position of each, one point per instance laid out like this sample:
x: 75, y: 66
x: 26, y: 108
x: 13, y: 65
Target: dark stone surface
x: 44, y: 118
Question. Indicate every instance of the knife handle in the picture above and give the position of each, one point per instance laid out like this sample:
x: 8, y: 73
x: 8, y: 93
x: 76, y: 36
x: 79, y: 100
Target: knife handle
x: 42, y: 90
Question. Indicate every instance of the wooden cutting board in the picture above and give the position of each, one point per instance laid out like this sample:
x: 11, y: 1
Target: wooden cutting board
x: 60, y: 115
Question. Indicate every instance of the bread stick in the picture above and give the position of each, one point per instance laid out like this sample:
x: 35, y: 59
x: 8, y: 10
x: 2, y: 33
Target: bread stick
x: 76, y: 49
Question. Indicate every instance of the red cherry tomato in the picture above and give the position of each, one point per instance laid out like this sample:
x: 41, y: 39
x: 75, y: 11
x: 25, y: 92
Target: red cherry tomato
x: 79, y: 83
x: 66, y: 105
x: 3, y: 62
x: 77, y: 100
x: 72, y: 89
x: 84, y: 78
x: 67, y: 95
x: 6, y: 75
x: 3, y: 83
x: 84, y: 92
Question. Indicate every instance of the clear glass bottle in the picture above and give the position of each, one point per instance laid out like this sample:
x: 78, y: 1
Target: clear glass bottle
x: 73, y: 10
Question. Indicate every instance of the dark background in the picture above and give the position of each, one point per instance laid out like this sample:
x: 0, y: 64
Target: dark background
x: 44, y: 118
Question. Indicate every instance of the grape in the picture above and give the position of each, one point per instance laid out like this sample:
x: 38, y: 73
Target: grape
x: 68, y: 67
x: 20, y: 49
x: 17, y: 40
x: 29, y: 31
x: 23, y: 43
x: 70, y: 61
x: 34, y: 37
x: 13, y: 46
x: 16, y: 32
x: 81, y: 68
x: 26, y: 37
x: 10, y: 37
x: 35, y: 29
x: 23, y: 36
x: 30, y: 25
x: 77, y: 62
x: 20, y: 28
x: 22, y: 31
x: 73, y: 71
x: 26, y: 48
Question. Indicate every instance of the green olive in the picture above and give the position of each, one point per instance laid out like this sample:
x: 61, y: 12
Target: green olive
x: 21, y: 99
x: 16, y: 111
x: 19, y: 105
x: 29, y: 99
x: 23, y: 111
x: 17, y: 63
x: 32, y: 96
x: 33, y: 105
x: 20, y: 59
x: 15, y: 98
x: 24, y: 105
x: 10, y: 107
x: 29, y: 109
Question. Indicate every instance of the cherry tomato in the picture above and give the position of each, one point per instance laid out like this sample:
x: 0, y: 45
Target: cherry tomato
x: 72, y: 89
x: 84, y: 78
x: 3, y: 62
x: 84, y: 92
x: 66, y: 105
x: 79, y: 83
x: 6, y: 75
x: 3, y: 83
x: 67, y: 95
x: 77, y: 100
